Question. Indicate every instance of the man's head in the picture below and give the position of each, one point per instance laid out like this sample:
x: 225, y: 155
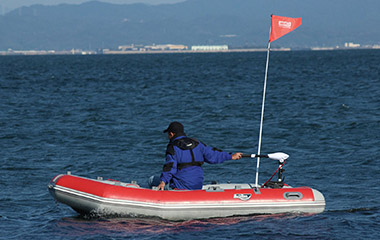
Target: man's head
x: 174, y: 128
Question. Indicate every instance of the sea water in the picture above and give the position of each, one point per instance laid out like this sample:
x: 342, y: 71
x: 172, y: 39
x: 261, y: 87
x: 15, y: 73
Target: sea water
x: 104, y: 115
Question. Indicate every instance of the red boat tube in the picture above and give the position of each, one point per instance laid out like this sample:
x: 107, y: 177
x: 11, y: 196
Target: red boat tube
x: 109, y: 197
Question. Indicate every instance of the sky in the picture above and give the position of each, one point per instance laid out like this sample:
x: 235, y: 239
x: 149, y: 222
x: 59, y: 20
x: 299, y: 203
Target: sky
x: 8, y: 5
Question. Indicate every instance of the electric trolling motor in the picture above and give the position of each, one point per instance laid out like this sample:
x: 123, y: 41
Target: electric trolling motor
x: 281, y: 158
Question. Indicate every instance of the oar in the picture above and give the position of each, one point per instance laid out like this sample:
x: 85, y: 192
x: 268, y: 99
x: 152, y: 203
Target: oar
x: 279, y: 156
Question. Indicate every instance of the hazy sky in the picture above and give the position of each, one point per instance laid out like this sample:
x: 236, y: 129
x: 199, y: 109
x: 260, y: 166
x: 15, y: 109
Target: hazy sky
x: 7, y: 5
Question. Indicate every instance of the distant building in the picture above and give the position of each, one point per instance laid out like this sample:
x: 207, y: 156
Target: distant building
x: 132, y: 47
x: 209, y: 48
x: 351, y: 45
x: 166, y: 47
x: 322, y: 48
x: 127, y: 48
x: 177, y: 47
x: 161, y: 47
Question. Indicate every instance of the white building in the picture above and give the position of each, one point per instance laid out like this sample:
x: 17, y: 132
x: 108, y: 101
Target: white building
x: 166, y: 47
x: 351, y: 45
x: 209, y: 48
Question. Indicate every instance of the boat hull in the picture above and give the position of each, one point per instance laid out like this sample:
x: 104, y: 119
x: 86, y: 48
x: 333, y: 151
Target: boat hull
x: 101, y: 197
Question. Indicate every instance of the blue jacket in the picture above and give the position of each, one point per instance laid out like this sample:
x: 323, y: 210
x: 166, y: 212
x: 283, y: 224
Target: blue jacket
x: 180, y: 170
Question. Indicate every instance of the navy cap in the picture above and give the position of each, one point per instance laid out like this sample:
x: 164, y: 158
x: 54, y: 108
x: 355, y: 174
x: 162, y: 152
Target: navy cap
x: 175, y: 127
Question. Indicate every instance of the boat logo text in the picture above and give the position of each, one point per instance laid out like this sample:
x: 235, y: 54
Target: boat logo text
x: 243, y: 196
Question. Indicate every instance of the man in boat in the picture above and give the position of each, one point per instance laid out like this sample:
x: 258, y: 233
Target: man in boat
x: 184, y: 159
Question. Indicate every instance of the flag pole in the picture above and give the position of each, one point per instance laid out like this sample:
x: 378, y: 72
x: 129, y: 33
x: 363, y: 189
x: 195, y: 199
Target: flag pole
x: 281, y: 26
x: 262, y: 115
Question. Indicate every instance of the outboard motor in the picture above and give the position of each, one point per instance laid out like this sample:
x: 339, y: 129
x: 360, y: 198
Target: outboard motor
x: 281, y: 158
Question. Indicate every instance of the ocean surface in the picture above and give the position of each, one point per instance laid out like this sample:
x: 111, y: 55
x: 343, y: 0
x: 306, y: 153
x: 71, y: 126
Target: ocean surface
x: 104, y: 116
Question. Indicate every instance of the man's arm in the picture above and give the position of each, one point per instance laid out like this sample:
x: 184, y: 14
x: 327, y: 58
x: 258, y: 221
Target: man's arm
x: 169, y: 169
x: 214, y: 155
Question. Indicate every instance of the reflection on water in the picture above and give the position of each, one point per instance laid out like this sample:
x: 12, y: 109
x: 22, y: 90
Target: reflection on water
x: 79, y: 226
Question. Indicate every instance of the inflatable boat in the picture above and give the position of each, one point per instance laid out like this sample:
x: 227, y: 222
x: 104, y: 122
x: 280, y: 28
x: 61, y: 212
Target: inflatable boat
x: 110, y: 197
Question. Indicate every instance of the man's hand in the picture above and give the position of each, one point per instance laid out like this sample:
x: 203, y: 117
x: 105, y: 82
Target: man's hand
x: 237, y: 156
x: 161, y: 186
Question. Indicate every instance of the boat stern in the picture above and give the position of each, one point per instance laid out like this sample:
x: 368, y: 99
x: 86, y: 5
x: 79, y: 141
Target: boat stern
x: 319, y: 201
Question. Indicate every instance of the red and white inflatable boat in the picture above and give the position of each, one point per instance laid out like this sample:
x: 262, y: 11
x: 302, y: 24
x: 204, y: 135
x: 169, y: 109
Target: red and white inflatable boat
x: 215, y: 200
x: 109, y: 197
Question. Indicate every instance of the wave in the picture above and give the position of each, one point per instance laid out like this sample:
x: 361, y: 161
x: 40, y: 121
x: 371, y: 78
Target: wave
x: 354, y: 210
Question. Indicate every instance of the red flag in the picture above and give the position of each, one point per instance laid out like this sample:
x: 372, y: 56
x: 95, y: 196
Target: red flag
x: 282, y: 26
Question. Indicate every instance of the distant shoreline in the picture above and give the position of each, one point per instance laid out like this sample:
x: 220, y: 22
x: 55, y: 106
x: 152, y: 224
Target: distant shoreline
x: 198, y: 51
x: 115, y: 52
x: 112, y: 52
